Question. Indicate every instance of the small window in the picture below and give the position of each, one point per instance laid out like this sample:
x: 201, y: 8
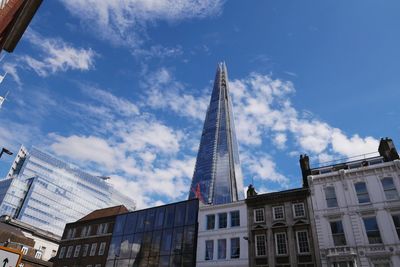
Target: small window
x: 259, y: 215
x: 222, y: 220
x: 69, y: 252
x: 38, y: 254
x: 261, y: 245
x: 210, y: 222
x: 221, y: 249
x: 62, y: 252
x: 298, y: 210
x: 24, y: 250
x: 362, y: 192
x: 85, y: 250
x: 93, y: 249
x: 280, y: 243
x: 330, y: 196
x: 21, y: 265
x: 372, y: 230
x: 339, y: 238
x: 278, y: 212
x: 396, y: 221
x: 303, y: 247
x: 77, y: 250
x: 389, y: 188
x: 235, y: 218
x: 209, y: 250
x: 235, y: 248
x: 102, y: 248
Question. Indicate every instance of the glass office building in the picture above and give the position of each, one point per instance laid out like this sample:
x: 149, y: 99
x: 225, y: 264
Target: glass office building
x: 163, y: 236
x: 47, y: 193
x: 218, y: 177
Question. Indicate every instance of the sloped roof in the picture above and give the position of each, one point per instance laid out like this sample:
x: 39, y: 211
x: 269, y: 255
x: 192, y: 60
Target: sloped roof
x: 101, y: 213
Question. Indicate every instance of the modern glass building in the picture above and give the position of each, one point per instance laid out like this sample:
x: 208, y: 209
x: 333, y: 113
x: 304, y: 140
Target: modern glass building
x: 163, y: 236
x: 218, y: 177
x: 47, y: 193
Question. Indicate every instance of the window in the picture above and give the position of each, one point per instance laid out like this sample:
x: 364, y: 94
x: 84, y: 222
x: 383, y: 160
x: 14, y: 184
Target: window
x: 389, y: 188
x: 210, y: 222
x: 235, y: 248
x: 362, y: 192
x: 209, y: 250
x: 396, y: 221
x: 280, y: 243
x: 85, y: 250
x: 303, y: 246
x: 278, y: 212
x: 222, y: 220
x: 330, y: 196
x: 298, y: 210
x: 102, y: 248
x: 93, y: 249
x: 343, y: 264
x: 77, y: 250
x: 102, y: 229
x: 97, y: 265
x: 38, y: 254
x: 372, y: 230
x: 62, y: 252
x: 221, y: 249
x: 69, y: 252
x: 235, y: 218
x: 259, y: 215
x: 24, y: 250
x: 71, y: 233
x: 21, y: 265
x: 261, y: 245
x: 339, y: 239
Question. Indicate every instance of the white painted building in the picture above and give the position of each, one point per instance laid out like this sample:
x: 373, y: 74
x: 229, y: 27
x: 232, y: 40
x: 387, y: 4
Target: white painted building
x: 222, y: 235
x: 357, y: 210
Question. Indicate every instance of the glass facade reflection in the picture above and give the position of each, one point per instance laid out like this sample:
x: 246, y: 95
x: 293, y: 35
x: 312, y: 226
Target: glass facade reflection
x: 48, y: 193
x: 218, y: 177
x: 160, y: 236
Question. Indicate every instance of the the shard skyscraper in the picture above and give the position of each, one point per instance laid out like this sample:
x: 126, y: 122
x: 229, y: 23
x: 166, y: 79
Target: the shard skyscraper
x: 217, y: 177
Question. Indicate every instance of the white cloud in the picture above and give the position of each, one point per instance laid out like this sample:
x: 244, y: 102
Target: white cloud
x: 56, y: 55
x: 11, y: 69
x: 124, y: 22
x: 264, y: 168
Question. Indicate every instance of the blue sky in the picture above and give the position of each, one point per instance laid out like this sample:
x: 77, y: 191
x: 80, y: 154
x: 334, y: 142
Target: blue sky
x: 120, y: 88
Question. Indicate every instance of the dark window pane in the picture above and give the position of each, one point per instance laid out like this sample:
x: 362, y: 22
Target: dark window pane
x: 154, y: 261
x: 136, y: 246
x: 155, y: 243
x: 149, y: 223
x: 235, y: 248
x: 159, y: 218
x: 177, y: 241
x: 169, y: 216
x: 180, y: 213
x: 209, y: 255
x: 114, y: 248
x: 176, y: 260
x: 222, y: 220
x: 166, y: 242
x: 235, y: 218
x: 210, y: 222
x: 396, y: 221
x: 188, y: 260
x: 130, y: 223
x: 191, y: 212
x: 188, y: 243
x: 164, y: 261
x: 222, y: 249
x: 141, y: 221
x: 119, y: 224
x: 126, y: 247
x: 372, y: 229
x: 146, y: 244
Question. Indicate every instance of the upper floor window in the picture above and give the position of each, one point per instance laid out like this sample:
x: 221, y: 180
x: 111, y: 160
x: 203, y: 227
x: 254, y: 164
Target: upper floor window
x: 372, y: 230
x: 38, y: 254
x: 259, y: 215
x: 330, y: 196
x: 71, y: 233
x: 396, y: 221
x: 339, y: 239
x: 298, y: 210
x: 221, y: 249
x: 102, y: 229
x: 303, y: 246
x: 210, y: 221
x: 362, y: 192
x: 281, y: 243
x: 93, y: 249
x: 209, y: 250
x: 24, y: 250
x: 235, y: 248
x: 62, y: 252
x: 235, y: 218
x: 85, y: 250
x: 77, y: 250
x: 261, y: 245
x: 278, y: 212
x: 222, y: 220
x: 69, y: 252
x: 389, y: 188
x: 102, y: 248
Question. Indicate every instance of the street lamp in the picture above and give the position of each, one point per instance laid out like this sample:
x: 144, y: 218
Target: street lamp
x: 5, y: 150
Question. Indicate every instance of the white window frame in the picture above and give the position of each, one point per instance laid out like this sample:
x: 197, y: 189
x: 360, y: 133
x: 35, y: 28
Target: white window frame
x: 274, y: 213
x: 276, y: 243
x: 77, y: 251
x: 24, y: 250
x: 265, y: 245
x: 102, y: 248
x: 390, y: 189
x: 62, y: 252
x: 255, y: 215
x: 38, y: 254
x: 298, y: 242
x: 93, y: 249
x: 85, y: 250
x: 294, y: 210
x: 69, y: 252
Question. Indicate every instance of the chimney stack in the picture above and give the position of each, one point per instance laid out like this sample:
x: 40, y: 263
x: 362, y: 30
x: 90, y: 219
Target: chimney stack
x: 387, y: 149
x: 305, y: 168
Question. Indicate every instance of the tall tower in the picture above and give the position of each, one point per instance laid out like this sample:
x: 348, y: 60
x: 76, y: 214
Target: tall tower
x: 217, y: 177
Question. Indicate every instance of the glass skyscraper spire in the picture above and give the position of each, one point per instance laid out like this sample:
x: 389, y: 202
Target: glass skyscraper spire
x: 217, y: 177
